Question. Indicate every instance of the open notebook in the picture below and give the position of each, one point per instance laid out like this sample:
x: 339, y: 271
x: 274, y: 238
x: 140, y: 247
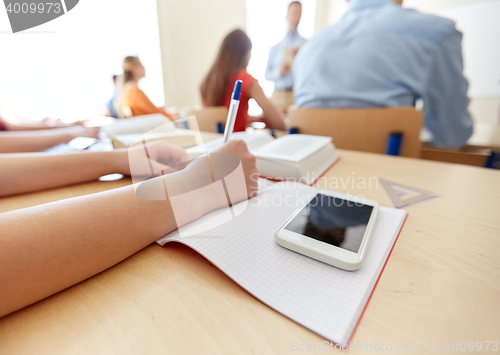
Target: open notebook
x: 327, y: 300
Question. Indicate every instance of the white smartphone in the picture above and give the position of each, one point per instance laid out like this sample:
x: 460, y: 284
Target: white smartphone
x: 331, y: 227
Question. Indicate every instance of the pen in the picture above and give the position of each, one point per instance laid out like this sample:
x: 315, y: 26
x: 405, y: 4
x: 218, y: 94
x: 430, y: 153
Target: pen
x: 233, y: 110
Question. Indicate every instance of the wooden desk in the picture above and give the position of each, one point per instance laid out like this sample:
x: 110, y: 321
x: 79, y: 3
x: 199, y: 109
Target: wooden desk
x: 486, y: 137
x: 441, y: 283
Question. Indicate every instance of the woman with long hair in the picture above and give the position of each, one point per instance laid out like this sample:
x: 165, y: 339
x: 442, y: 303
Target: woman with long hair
x: 230, y: 65
x: 133, y: 101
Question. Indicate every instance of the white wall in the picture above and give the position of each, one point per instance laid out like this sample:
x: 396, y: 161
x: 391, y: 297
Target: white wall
x: 481, y: 28
x: 190, y: 34
x: 478, y: 21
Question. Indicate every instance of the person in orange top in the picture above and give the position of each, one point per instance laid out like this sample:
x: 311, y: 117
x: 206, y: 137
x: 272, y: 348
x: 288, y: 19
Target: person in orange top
x: 230, y: 65
x: 133, y: 101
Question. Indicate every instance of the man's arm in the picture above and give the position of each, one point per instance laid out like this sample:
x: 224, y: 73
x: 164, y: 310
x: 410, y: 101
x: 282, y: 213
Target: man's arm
x: 47, y: 248
x: 445, y: 98
x: 273, y: 69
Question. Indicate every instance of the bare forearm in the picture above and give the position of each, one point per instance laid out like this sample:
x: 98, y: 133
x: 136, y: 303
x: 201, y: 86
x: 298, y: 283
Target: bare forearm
x: 26, y: 172
x: 272, y: 117
x: 47, y: 248
x: 69, y: 241
x: 28, y: 141
x: 28, y: 126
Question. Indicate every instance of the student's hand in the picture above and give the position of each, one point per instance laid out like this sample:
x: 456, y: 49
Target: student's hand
x: 194, y: 186
x: 239, y: 148
x: 162, y: 156
x: 165, y: 155
x: 241, y: 183
x: 80, y: 131
x: 196, y: 190
x: 284, y: 69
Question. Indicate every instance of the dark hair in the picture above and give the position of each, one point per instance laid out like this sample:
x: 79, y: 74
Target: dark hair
x: 294, y: 3
x: 230, y: 59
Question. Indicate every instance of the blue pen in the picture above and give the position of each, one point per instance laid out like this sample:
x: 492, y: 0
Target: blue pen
x: 233, y: 110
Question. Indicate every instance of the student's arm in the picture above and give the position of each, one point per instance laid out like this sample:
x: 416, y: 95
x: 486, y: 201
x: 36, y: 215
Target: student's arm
x: 32, y: 126
x: 445, y: 98
x: 272, y: 117
x: 137, y: 98
x: 34, y: 141
x: 27, y: 172
x: 47, y: 248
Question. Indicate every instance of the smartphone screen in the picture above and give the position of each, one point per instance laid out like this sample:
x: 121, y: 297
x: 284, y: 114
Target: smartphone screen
x: 332, y: 220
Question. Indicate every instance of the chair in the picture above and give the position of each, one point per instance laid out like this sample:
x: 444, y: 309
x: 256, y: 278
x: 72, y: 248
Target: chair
x: 207, y: 118
x: 361, y: 129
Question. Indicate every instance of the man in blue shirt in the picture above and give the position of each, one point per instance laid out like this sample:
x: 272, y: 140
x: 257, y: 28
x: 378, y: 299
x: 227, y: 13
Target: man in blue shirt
x: 381, y: 55
x: 281, y: 59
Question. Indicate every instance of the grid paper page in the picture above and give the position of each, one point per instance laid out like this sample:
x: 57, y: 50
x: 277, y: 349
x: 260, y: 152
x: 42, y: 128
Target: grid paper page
x: 327, y: 300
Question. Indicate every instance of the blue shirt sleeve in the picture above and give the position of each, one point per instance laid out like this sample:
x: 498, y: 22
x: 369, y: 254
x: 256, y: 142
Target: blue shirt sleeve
x: 445, y: 97
x: 272, y: 69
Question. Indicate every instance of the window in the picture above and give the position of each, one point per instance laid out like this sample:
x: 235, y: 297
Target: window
x: 63, y: 68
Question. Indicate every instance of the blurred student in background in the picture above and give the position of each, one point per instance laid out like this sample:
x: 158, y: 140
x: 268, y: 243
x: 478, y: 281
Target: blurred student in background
x: 281, y: 57
x: 382, y: 55
x: 133, y: 101
x: 112, y: 103
x: 230, y: 65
